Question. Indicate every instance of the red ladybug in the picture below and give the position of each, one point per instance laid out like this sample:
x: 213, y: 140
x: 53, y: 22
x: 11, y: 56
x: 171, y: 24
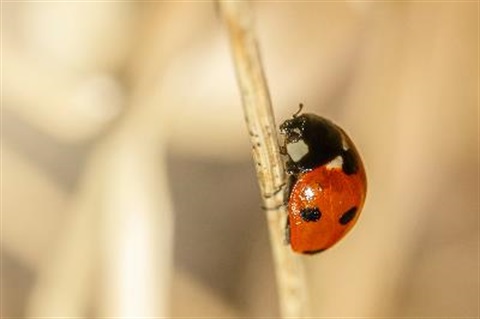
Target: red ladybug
x: 327, y: 185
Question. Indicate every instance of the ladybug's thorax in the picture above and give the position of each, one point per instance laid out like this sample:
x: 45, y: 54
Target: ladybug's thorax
x: 311, y: 141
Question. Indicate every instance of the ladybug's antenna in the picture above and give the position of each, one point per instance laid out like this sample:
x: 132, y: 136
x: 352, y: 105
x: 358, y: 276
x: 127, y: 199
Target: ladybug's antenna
x: 300, y: 108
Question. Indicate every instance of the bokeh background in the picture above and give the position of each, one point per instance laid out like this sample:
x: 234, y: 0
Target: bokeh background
x: 127, y: 183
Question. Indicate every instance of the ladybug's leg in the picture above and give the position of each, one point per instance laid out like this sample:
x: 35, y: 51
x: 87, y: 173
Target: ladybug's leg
x: 275, y: 192
x: 287, y: 232
x: 290, y: 167
x: 292, y: 179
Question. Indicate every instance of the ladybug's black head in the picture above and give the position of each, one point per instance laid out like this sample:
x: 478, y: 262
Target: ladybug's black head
x: 311, y: 141
x: 293, y: 129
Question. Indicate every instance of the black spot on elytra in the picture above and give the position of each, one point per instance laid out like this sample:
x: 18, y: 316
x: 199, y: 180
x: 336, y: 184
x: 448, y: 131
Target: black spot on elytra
x: 310, y: 214
x: 348, y: 216
x: 350, y: 162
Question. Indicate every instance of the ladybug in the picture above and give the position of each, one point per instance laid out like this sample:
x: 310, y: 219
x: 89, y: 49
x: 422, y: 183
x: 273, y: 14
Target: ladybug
x: 327, y: 182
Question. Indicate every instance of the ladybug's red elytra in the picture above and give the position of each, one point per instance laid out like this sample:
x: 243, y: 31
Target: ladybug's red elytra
x: 327, y: 182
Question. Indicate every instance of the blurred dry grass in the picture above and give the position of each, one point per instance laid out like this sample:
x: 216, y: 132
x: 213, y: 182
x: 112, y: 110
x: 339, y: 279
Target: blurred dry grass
x: 127, y: 183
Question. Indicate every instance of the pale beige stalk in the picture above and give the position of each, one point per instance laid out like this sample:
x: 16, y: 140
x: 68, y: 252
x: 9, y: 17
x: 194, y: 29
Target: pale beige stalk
x: 266, y: 155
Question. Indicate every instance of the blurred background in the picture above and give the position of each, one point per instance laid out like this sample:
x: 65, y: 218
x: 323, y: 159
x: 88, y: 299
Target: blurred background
x: 128, y: 187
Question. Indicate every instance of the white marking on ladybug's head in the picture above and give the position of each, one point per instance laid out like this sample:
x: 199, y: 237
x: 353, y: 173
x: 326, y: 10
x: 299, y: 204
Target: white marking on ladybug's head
x: 337, y: 162
x: 344, y: 143
x: 297, y: 150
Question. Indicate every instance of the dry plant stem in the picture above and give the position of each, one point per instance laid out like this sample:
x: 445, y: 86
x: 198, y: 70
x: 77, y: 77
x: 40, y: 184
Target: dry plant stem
x: 270, y: 172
